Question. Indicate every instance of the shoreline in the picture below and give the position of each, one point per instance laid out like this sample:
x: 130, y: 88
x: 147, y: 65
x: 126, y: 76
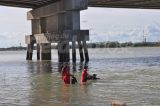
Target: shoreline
x: 97, y: 45
x: 88, y: 48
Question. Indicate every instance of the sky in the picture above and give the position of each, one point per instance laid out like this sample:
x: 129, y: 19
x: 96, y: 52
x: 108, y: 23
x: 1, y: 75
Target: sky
x: 105, y: 24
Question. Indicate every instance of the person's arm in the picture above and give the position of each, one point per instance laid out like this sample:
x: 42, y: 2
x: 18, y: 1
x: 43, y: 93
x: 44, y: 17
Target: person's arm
x: 69, y: 74
x: 88, y: 76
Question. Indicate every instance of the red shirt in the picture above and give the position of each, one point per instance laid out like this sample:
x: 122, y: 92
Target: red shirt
x: 65, y: 75
x: 84, y: 75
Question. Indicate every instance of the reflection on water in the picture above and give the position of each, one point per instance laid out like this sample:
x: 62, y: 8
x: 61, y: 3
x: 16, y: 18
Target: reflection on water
x: 132, y: 77
x: 48, y: 89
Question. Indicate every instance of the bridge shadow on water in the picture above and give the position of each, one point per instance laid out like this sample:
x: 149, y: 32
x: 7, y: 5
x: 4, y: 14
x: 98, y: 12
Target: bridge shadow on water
x: 52, y: 67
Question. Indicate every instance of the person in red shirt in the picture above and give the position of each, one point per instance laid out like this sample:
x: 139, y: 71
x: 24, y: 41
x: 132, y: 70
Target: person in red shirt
x: 65, y: 74
x: 85, y: 76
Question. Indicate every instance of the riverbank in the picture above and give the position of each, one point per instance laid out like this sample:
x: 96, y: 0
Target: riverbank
x: 98, y: 45
x: 120, y: 45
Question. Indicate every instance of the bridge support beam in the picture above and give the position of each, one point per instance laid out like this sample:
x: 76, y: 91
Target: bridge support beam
x: 59, y: 22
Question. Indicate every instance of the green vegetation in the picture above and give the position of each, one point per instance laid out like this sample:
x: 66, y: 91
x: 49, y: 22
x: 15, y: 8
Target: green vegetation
x: 98, y: 45
x: 13, y: 49
x: 119, y: 45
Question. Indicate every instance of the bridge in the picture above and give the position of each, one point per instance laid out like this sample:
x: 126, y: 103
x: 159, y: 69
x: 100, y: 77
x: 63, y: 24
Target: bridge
x: 59, y: 21
x: 144, y: 4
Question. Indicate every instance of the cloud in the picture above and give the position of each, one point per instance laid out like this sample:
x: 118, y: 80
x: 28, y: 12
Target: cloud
x: 105, y: 24
x: 121, y: 24
x: 134, y: 34
x: 13, y: 26
x: 12, y: 39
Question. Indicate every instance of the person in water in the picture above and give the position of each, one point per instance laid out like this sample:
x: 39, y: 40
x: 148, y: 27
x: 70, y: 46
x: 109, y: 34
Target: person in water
x: 74, y: 80
x: 94, y: 77
x: 66, y: 75
x: 85, y: 76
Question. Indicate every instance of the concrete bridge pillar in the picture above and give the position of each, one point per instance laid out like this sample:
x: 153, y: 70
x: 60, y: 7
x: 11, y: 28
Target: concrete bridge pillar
x: 30, y: 45
x: 58, y: 22
x: 63, y: 51
x: 86, y: 51
x: 36, y: 28
x: 45, y: 51
x: 38, y: 52
x: 81, y: 51
x: 29, y: 51
x: 74, y: 51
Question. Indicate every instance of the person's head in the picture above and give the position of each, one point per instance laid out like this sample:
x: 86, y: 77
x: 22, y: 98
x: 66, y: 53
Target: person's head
x: 65, y: 65
x: 94, y: 75
x: 85, y: 67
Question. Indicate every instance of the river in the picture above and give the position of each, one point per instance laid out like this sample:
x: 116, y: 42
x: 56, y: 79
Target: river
x: 128, y: 74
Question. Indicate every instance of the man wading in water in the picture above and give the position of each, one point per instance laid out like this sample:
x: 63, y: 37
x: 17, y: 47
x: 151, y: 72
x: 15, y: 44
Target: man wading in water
x: 85, y: 76
x: 66, y: 75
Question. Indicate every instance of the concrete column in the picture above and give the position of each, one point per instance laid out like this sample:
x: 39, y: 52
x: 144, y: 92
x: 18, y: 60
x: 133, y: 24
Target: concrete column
x: 73, y: 51
x: 61, y: 43
x: 38, y: 51
x: 29, y: 52
x: 72, y: 22
x: 45, y: 48
x: 86, y: 51
x: 43, y: 24
x: 60, y: 56
x: 36, y: 26
x: 63, y: 51
x: 67, y: 53
x: 81, y: 51
x: 36, y: 29
x: 45, y: 51
x: 61, y: 22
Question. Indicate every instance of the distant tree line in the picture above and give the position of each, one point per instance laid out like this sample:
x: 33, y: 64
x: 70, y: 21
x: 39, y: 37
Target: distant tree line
x: 119, y: 45
x: 97, y: 45
x: 12, y: 48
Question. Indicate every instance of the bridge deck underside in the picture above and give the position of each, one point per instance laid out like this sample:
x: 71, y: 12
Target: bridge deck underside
x: 144, y: 4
